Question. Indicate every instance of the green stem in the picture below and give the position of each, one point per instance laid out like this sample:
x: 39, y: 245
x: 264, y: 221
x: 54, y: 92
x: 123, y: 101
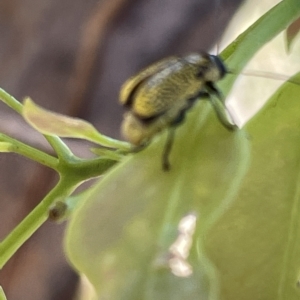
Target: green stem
x: 73, y: 172
x: 107, y: 141
x: 106, y: 153
x: 30, y: 152
x: 84, y: 169
x: 60, y: 148
x: 34, y: 220
x: 11, y: 101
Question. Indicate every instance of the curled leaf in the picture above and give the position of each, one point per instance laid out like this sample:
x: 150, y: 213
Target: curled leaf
x: 51, y: 123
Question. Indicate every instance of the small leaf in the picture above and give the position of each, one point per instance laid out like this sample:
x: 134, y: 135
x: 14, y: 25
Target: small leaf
x: 2, y: 294
x: 51, y: 123
x: 291, y: 33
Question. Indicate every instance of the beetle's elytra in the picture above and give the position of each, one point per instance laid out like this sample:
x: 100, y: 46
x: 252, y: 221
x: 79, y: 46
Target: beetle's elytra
x: 159, y: 96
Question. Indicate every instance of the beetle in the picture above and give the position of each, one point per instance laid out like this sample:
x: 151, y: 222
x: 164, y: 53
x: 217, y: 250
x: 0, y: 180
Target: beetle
x: 159, y: 96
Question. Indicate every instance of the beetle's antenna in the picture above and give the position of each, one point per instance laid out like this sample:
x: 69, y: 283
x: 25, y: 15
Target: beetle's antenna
x: 167, y: 149
x: 217, y: 24
x: 265, y: 74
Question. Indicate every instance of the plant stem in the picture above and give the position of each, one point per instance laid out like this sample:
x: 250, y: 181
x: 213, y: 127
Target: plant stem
x: 60, y: 148
x: 11, y: 101
x: 84, y: 169
x: 30, y: 152
x: 107, y: 141
x: 34, y: 220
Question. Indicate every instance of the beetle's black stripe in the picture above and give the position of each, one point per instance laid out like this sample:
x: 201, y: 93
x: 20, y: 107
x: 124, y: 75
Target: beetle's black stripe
x: 149, y: 120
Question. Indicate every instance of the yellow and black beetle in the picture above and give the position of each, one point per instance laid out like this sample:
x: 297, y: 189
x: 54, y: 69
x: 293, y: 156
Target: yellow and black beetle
x: 159, y: 96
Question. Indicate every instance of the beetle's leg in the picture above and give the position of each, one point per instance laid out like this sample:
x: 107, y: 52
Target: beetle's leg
x: 222, y: 113
x: 215, y: 97
x: 218, y: 104
x: 167, y: 149
x: 170, y: 138
x: 139, y: 148
x: 212, y: 89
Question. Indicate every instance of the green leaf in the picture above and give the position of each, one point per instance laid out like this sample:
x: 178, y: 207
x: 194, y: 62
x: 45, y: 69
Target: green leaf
x: 239, y: 52
x: 51, y: 123
x: 256, y: 244
x: 120, y: 236
x: 130, y: 220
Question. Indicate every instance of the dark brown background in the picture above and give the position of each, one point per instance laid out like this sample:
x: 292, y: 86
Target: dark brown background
x: 71, y: 56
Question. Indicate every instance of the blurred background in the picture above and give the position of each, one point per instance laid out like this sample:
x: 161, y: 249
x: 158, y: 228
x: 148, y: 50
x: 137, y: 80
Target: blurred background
x: 72, y: 56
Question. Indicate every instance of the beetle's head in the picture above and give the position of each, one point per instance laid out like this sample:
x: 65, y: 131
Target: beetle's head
x: 219, y: 65
x: 210, y: 67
